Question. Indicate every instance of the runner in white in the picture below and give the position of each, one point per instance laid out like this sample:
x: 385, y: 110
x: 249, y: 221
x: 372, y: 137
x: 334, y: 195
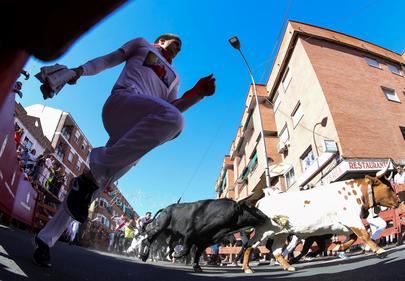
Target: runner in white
x: 141, y: 113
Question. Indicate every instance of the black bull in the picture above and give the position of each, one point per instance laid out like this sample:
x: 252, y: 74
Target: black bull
x: 201, y: 224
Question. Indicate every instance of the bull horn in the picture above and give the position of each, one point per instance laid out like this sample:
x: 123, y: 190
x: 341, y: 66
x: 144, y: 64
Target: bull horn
x: 390, y: 176
x: 383, y: 171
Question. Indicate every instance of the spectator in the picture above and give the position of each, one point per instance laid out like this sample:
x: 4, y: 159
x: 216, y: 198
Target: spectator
x: 17, y: 137
x: 120, y: 222
x: 31, y: 161
x: 141, y: 224
x: 37, y: 168
x: 46, y: 170
x: 129, y: 233
x: 399, y: 177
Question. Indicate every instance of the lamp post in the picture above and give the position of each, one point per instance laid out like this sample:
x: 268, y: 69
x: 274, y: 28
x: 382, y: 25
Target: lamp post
x: 235, y: 43
x: 323, y: 124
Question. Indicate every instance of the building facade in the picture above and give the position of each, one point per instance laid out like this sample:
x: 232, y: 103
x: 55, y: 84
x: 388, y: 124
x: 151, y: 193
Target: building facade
x: 354, y: 87
x: 71, y: 148
x: 332, y: 108
x: 33, y: 137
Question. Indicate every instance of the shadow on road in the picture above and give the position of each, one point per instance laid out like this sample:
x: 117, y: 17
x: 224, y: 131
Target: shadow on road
x: 72, y: 263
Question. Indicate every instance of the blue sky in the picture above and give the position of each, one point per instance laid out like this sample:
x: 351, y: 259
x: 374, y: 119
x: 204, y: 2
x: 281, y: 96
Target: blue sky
x: 190, y: 164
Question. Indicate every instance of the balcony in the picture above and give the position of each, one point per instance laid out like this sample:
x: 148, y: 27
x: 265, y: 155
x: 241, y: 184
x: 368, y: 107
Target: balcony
x: 66, y: 133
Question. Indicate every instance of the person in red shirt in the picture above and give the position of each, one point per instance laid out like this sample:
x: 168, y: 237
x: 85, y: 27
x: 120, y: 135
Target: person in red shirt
x: 17, y: 137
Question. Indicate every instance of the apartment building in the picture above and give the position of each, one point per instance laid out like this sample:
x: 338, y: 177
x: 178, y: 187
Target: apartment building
x: 338, y: 106
x: 109, y: 204
x: 243, y: 170
x: 71, y: 147
x: 33, y: 137
x: 332, y: 108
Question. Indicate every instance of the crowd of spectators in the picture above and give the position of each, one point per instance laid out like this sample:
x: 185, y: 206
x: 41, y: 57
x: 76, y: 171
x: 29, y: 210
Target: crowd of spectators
x: 43, y: 171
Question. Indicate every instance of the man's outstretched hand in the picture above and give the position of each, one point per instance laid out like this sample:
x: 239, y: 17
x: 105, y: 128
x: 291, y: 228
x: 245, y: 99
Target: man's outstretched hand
x: 205, y: 86
x: 79, y: 73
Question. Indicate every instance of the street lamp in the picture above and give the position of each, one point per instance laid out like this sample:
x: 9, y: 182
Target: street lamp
x: 323, y: 124
x: 235, y: 43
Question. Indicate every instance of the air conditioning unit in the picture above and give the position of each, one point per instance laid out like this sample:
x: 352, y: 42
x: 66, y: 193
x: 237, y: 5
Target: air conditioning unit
x: 282, y: 146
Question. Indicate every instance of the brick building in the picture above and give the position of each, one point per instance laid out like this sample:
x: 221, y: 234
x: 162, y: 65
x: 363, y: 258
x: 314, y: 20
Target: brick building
x: 333, y: 108
x: 33, y: 137
x: 71, y: 149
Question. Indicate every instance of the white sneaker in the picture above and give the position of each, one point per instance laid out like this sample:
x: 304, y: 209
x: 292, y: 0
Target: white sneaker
x: 342, y: 255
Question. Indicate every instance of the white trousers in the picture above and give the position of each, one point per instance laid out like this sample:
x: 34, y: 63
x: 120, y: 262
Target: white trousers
x: 136, y: 244
x: 294, y: 241
x: 135, y: 124
x: 377, y: 226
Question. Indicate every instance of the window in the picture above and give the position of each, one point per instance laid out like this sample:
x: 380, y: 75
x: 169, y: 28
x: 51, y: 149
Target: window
x: 59, y: 151
x: 402, y: 131
x: 78, y: 165
x: 27, y: 143
x: 103, y: 220
x: 286, y: 79
x: 290, y: 177
x: 224, y: 181
x: 77, y: 136
x: 297, y: 114
x: 70, y: 157
x: 276, y: 100
x: 284, y: 135
x: 390, y: 94
x: 307, y: 158
x: 103, y: 203
x: 372, y: 62
x: 66, y: 133
x: 245, y: 173
x: 248, y: 119
x: 394, y: 69
x: 253, y: 162
x: 84, y: 144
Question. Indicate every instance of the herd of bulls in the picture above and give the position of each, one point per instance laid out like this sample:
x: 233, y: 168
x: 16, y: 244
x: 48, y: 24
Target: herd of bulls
x: 337, y: 208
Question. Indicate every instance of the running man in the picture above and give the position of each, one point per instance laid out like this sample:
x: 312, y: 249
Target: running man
x: 142, y: 112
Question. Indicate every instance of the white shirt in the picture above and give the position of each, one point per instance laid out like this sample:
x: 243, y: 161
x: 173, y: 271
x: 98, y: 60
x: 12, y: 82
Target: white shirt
x: 399, y: 178
x: 145, y: 72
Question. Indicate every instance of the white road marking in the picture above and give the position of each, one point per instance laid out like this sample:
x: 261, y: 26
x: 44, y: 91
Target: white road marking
x: 9, y: 189
x: 3, y: 145
x: 9, y: 264
x: 12, y: 180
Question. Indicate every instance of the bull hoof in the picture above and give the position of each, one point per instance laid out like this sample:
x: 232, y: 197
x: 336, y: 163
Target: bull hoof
x: 197, y: 269
x: 290, y: 269
x: 381, y: 253
x: 248, y: 270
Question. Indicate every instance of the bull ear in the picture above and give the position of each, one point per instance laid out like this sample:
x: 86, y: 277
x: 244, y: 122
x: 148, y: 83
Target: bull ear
x: 244, y: 203
x: 369, y: 180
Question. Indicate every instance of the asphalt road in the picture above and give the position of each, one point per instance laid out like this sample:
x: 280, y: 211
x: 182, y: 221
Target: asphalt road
x: 72, y: 263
